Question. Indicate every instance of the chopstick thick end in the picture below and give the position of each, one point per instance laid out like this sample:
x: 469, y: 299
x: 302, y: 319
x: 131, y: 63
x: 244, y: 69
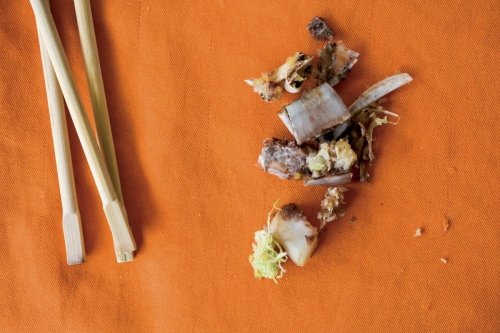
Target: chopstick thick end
x: 125, y: 257
x: 73, y: 238
x: 122, y: 235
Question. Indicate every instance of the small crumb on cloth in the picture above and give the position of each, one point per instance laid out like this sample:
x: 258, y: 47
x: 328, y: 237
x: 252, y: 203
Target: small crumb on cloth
x: 418, y: 233
x: 319, y: 30
x: 446, y: 224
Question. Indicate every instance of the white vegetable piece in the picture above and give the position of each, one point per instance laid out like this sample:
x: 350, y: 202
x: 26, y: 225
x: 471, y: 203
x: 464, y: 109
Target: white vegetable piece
x: 314, y: 113
x: 295, y: 234
x: 379, y: 90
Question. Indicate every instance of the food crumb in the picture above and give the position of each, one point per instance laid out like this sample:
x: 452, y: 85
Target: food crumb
x: 446, y: 224
x: 352, y: 219
x: 444, y: 260
x: 319, y: 30
x: 418, y: 233
x: 331, y: 206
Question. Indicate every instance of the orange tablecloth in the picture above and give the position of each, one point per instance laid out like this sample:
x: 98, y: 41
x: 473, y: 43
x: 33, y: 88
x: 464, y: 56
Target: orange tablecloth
x: 188, y: 131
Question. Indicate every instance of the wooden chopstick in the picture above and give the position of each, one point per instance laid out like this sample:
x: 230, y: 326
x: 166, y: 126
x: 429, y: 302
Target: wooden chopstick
x: 112, y: 207
x: 98, y: 98
x: 72, y: 226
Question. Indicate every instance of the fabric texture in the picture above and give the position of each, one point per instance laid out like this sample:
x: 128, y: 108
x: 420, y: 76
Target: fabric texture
x: 187, y: 133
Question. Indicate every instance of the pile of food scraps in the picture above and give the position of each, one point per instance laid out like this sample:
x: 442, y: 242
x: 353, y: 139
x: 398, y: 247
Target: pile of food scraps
x: 330, y: 140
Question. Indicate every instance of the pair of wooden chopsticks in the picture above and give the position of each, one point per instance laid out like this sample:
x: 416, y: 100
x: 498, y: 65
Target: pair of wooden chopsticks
x: 100, y: 156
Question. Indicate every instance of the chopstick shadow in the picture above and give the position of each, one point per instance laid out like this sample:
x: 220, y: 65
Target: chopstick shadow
x: 135, y: 187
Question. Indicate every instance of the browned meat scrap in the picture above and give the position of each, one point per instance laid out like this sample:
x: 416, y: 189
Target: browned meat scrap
x: 319, y: 30
x: 335, y: 62
x: 283, y: 158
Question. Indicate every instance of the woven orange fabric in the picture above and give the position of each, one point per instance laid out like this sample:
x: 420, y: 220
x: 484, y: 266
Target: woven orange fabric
x: 188, y: 131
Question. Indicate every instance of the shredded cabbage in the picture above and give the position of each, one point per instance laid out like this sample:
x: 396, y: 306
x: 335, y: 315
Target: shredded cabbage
x: 338, y: 155
x: 320, y: 163
x: 268, y: 254
x: 376, y: 121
